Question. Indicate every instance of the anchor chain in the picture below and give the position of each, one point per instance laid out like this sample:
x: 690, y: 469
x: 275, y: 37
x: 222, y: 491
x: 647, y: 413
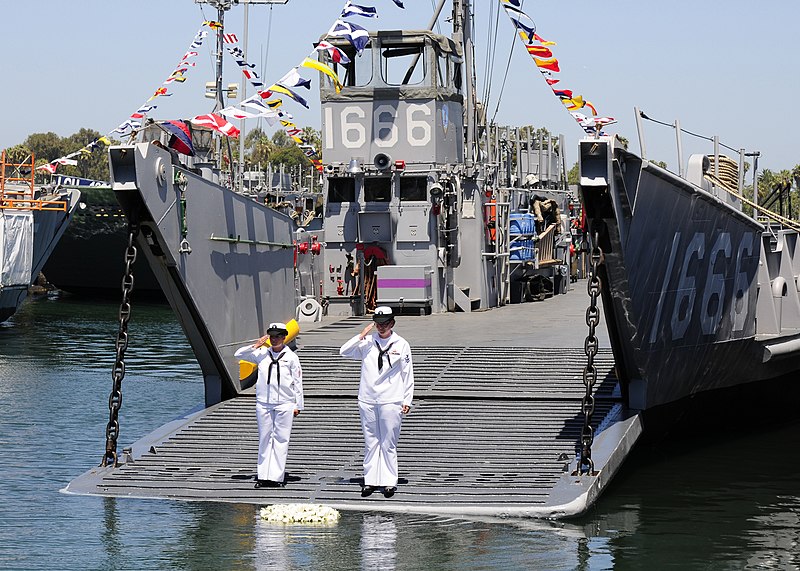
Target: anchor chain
x: 184, y: 247
x: 115, y: 399
x: 586, y: 465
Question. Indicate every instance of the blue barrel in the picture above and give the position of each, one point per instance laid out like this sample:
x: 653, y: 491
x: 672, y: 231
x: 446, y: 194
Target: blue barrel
x: 517, y: 223
x: 528, y: 253
x: 530, y: 223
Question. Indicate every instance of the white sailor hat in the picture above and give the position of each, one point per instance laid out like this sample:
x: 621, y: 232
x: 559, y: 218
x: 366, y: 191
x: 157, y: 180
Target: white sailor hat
x: 383, y: 314
x: 277, y: 329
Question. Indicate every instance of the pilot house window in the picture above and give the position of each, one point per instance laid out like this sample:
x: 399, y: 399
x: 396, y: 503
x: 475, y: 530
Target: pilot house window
x: 356, y: 73
x: 377, y: 189
x: 413, y: 188
x: 341, y: 189
x: 403, y: 64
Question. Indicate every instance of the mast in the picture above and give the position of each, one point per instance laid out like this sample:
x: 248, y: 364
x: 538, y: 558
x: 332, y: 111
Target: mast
x: 462, y: 34
x: 222, y: 6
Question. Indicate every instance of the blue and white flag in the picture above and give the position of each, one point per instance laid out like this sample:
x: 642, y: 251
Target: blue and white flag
x: 294, y: 79
x: 357, y: 35
x: 351, y: 9
x: 399, y: 3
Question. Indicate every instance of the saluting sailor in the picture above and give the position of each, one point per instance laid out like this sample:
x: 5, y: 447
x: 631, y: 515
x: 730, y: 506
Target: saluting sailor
x: 279, y: 398
x: 384, y: 396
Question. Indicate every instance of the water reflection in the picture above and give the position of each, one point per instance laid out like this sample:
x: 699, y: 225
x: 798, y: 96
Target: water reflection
x: 110, y: 534
x: 272, y: 547
x: 378, y: 543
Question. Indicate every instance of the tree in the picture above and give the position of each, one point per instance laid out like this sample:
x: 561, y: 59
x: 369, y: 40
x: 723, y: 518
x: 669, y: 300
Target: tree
x: 47, y: 147
x: 770, y: 184
x: 92, y: 164
x: 573, y: 175
x: 259, y: 147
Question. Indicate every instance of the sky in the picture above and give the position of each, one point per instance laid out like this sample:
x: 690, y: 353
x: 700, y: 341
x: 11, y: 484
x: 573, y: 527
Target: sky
x: 720, y: 68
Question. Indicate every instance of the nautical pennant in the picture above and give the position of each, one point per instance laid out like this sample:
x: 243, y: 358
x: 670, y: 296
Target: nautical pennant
x: 351, y: 9
x: 236, y: 113
x: 286, y: 91
x: 356, y: 35
x: 293, y: 79
x: 548, y: 64
x: 337, y: 55
x: 521, y: 21
x: 216, y: 123
x: 133, y: 122
x: 551, y: 64
x: 322, y: 68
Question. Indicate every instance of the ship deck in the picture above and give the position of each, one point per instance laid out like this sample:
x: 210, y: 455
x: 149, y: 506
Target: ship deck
x: 493, y: 430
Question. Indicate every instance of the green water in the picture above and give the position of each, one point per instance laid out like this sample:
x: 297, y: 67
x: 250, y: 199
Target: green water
x: 712, y: 503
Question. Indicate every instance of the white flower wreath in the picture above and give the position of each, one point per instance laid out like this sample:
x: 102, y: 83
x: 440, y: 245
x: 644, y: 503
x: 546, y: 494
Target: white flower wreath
x: 300, y: 513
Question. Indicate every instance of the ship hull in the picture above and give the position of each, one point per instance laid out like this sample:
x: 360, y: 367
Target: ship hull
x: 224, y: 262
x: 89, y: 258
x: 682, y: 281
x: 48, y: 228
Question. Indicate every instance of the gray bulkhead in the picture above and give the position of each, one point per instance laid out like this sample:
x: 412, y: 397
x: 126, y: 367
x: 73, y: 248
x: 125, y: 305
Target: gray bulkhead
x: 394, y: 186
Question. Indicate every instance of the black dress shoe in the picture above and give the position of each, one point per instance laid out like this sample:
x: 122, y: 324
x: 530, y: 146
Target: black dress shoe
x: 367, y: 491
x: 389, y: 492
x: 268, y: 484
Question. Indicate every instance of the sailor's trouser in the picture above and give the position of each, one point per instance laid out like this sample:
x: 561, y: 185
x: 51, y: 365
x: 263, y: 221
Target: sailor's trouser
x: 381, y: 426
x: 274, y: 429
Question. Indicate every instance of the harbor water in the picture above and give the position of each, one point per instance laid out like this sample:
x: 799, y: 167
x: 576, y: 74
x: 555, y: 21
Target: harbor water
x: 725, y: 501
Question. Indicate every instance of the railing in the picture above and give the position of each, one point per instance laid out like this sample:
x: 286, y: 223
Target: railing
x: 21, y: 195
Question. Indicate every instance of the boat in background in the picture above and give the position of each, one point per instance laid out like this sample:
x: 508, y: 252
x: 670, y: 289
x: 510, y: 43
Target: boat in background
x: 87, y: 261
x: 32, y: 220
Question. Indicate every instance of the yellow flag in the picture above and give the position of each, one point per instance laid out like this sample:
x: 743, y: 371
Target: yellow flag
x: 322, y: 68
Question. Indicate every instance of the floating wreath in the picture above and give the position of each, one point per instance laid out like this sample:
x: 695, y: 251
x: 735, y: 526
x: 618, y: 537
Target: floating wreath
x: 300, y: 513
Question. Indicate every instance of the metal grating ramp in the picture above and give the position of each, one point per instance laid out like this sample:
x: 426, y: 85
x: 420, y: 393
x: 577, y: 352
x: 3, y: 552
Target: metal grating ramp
x: 489, y: 432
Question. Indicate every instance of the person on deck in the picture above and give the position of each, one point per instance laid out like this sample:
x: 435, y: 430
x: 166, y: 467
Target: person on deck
x: 384, y: 396
x: 279, y: 398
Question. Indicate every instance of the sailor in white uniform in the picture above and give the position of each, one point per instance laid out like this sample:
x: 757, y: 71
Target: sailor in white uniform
x: 384, y: 396
x: 279, y: 398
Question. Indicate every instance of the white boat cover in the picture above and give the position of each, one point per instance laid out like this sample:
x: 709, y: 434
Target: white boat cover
x: 16, y: 248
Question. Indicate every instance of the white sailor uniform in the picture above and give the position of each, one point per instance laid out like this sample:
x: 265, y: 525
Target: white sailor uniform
x: 279, y: 391
x: 387, y: 383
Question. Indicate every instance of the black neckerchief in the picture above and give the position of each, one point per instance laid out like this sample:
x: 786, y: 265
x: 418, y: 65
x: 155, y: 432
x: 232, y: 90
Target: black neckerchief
x: 381, y: 353
x: 274, y: 362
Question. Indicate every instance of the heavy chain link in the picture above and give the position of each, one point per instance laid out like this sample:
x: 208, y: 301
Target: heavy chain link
x: 184, y: 247
x: 590, y: 346
x: 115, y: 399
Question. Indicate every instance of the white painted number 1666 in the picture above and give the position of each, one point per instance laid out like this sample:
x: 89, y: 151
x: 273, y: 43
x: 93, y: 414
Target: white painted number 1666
x: 354, y: 133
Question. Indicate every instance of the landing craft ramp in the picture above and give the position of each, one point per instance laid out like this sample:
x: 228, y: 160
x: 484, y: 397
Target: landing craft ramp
x: 492, y: 432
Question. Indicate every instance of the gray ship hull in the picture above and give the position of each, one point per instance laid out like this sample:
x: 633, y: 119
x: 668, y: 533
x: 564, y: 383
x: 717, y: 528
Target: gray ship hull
x: 48, y: 227
x: 88, y: 260
x: 224, y: 262
x: 685, y: 282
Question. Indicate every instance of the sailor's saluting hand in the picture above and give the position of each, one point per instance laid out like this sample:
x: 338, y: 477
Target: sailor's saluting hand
x: 261, y: 342
x: 367, y: 329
